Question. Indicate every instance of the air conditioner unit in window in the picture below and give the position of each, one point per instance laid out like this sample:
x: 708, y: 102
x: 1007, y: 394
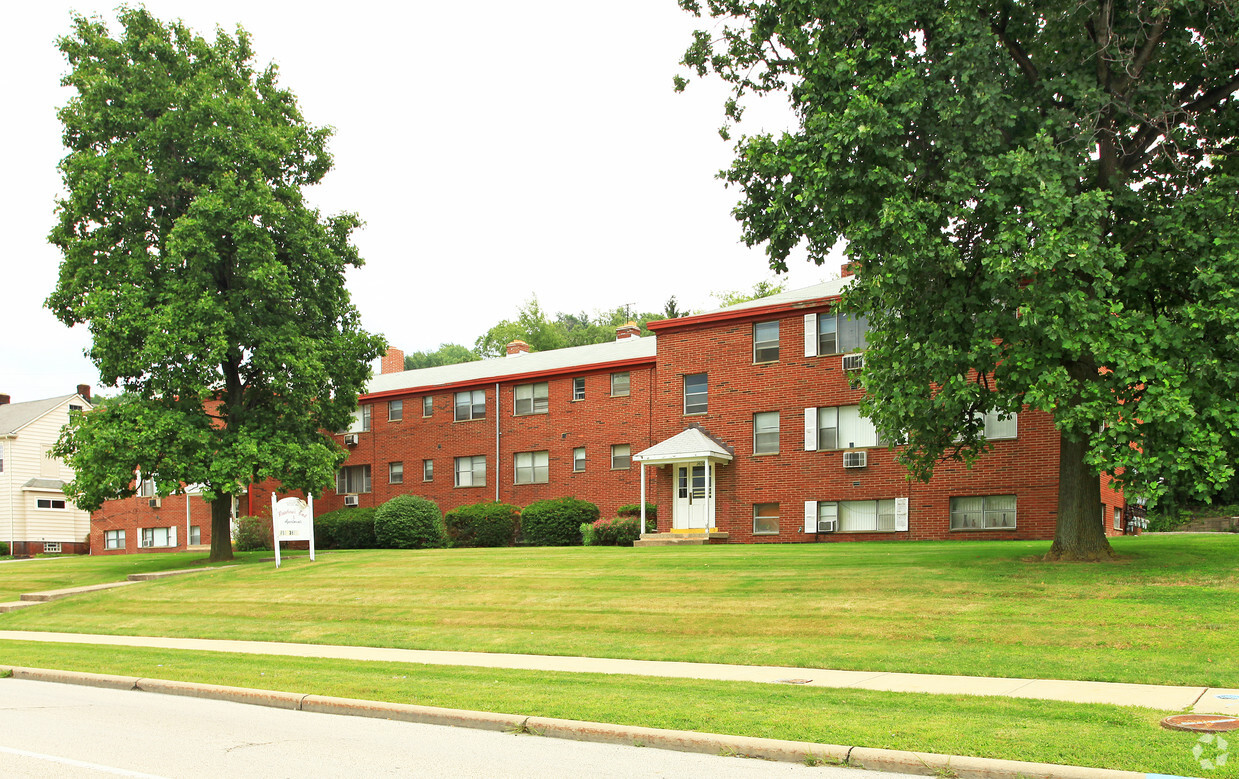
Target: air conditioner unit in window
x: 350, y: 439
x: 853, y: 362
x: 827, y: 525
x: 350, y: 500
x: 156, y: 503
x: 855, y: 459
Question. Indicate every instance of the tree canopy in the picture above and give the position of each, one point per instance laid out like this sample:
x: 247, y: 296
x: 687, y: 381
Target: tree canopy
x: 1040, y: 201
x: 214, y: 294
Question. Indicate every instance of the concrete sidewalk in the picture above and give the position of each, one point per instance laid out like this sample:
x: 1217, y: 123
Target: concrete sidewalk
x: 1202, y: 700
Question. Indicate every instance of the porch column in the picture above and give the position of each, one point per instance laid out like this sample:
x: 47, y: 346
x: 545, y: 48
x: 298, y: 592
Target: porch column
x: 709, y: 473
x: 643, y: 498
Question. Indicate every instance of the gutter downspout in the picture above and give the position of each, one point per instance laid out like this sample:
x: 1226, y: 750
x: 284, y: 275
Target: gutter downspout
x: 497, y: 412
x: 12, y: 516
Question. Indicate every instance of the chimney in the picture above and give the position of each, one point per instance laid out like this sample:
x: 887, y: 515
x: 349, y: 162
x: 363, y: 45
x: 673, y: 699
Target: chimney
x: 393, y: 361
x: 848, y: 269
x: 517, y: 348
x: 4, y: 400
x: 627, y: 330
x: 84, y: 391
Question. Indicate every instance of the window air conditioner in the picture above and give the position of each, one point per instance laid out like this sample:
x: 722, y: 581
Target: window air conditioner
x: 827, y: 525
x: 350, y: 439
x: 350, y: 500
x: 855, y: 459
x: 853, y: 362
x: 156, y: 503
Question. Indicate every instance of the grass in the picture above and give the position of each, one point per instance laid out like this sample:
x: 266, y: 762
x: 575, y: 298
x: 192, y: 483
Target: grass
x: 1164, y: 614
x: 57, y: 572
x: 1117, y: 737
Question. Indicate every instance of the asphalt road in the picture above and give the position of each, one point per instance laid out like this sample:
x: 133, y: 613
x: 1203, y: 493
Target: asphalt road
x: 61, y: 730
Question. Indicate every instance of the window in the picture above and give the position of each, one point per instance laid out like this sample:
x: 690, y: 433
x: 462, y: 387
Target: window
x: 156, y: 537
x: 1118, y: 518
x: 532, y: 467
x: 113, y: 539
x: 860, y: 516
x: 578, y: 388
x: 766, y: 433
x: 470, y: 404
x: 621, y: 384
x: 395, y: 473
x: 983, y: 512
x: 146, y: 488
x: 74, y: 407
x: 395, y: 410
x: 51, y: 547
x: 765, y: 519
x: 835, y: 334
x: 50, y: 503
x: 999, y: 425
x: 353, y: 479
x: 696, y: 399
x: 766, y: 342
x: 471, y: 471
x: 195, y: 535
x: 621, y: 457
x: 578, y: 459
x: 428, y: 470
x: 428, y: 406
x: 838, y: 427
x: 532, y: 398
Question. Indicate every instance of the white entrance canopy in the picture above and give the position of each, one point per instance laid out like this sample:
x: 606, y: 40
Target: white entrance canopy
x: 689, y: 445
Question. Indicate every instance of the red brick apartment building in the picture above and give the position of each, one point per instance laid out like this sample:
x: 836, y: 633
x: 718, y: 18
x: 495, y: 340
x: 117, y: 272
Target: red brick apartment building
x: 740, y: 424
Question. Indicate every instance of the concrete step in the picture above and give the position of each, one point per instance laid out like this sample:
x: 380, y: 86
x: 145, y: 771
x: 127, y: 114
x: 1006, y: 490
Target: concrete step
x: 44, y: 597
x: 14, y: 605
x: 682, y: 538
x: 146, y: 577
x: 698, y: 541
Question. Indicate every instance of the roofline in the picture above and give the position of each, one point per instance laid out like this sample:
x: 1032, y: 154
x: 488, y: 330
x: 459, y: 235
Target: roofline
x: 547, y: 373
x: 13, y: 433
x: 755, y: 312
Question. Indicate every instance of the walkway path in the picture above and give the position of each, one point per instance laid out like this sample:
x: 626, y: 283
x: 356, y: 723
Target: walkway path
x: 1203, y: 700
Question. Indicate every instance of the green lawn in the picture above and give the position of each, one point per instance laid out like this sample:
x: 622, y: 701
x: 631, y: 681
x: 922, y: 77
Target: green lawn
x: 1164, y: 614
x: 1116, y: 737
x: 54, y: 572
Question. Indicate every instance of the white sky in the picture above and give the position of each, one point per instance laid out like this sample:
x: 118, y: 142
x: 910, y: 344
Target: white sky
x: 495, y: 150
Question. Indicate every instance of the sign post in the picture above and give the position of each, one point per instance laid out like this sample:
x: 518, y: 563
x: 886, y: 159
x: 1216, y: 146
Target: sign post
x: 292, y: 519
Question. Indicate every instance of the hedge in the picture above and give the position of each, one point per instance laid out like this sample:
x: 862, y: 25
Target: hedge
x: 345, y: 529
x: 634, y: 510
x: 556, y: 522
x: 410, y: 522
x: 482, y: 524
x: 252, y: 534
x: 621, y: 531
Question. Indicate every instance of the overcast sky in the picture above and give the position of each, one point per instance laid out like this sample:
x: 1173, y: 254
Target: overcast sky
x: 495, y: 150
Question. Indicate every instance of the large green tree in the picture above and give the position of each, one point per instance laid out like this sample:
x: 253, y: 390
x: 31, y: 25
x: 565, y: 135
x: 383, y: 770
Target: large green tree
x: 1041, y: 202
x: 214, y: 295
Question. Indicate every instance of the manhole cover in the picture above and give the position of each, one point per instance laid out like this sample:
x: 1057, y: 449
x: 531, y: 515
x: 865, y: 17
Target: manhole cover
x: 794, y: 681
x: 1201, y: 723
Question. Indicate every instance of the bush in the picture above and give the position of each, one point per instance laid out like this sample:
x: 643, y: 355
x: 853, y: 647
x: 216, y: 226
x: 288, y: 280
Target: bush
x: 556, y: 522
x: 587, y: 534
x: 482, y: 524
x: 345, y: 529
x: 634, y: 510
x: 252, y: 534
x: 621, y: 531
x: 410, y: 522
x: 4, y: 549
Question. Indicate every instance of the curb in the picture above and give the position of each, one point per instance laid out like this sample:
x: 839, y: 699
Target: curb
x: 896, y: 761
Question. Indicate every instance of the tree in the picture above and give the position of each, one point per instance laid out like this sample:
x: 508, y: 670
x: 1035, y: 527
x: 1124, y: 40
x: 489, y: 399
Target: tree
x: 214, y: 295
x: 1040, y: 203
x: 543, y: 333
x: 446, y: 354
x: 762, y: 289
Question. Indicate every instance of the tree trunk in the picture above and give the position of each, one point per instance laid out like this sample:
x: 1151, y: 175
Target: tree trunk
x: 1079, y: 534
x: 221, y: 528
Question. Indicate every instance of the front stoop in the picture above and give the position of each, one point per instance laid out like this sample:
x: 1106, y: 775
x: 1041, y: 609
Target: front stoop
x: 682, y: 538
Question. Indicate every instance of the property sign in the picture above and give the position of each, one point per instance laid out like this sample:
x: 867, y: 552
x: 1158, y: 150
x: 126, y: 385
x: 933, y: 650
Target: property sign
x: 292, y: 519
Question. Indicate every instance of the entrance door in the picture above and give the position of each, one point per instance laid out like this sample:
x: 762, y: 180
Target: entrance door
x: 693, y: 495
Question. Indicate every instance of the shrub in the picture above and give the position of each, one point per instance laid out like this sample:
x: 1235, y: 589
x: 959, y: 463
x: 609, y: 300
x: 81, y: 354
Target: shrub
x: 4, y: 549
x: 252, y: 534
x: 556, y: 522
x: 345, y: 529
x: 587, y: 534
x: 482, y: 524
x: 621, y: 531
x: 634, y: 510
x: 409, y: 522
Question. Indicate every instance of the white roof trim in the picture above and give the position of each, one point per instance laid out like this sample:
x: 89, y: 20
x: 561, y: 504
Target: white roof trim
x: 689, y: 445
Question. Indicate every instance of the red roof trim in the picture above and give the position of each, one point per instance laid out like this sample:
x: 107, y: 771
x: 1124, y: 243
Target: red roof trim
x: 573, y: 370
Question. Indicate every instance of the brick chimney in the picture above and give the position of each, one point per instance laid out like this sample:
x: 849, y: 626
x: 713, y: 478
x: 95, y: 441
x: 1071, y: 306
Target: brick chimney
x: 848, y: 269
x: 84, y: 391
x: 627, y: 330
x: 393, y: 361
x: 517, y: 348
x: 4, y: 400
